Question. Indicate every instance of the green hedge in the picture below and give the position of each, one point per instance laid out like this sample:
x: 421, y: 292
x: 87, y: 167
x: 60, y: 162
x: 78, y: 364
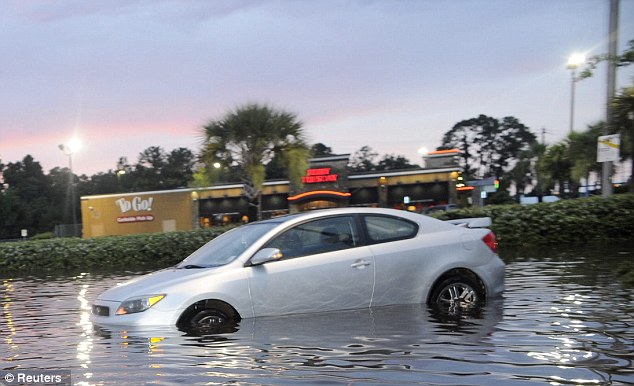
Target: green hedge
x: 567, y: 221
x: 117, y: 252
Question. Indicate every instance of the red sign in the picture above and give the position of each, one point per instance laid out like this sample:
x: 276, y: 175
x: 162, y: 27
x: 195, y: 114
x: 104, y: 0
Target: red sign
x: 314, y: 176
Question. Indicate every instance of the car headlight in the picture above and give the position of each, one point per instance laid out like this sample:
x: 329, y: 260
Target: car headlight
x: 138, y: 304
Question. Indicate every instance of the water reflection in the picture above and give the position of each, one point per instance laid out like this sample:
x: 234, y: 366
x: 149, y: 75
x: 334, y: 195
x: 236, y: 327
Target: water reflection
x: 582, y: 318
x: 564, y: 319
x: 85, y: 345
x: 9, y: 328
x: 363, y: 340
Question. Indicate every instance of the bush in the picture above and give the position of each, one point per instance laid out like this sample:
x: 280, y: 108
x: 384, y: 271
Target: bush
x: 566, y: 221
x: 116, y: 252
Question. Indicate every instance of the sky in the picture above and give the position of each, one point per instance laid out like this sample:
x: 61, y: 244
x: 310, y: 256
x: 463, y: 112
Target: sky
x: 394, y: 75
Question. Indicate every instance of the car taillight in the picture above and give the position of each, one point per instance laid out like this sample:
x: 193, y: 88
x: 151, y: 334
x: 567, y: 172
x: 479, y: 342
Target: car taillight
x: 491, y: 241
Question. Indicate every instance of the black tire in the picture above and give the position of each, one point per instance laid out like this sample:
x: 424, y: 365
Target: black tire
x: 214, y: 317
x: 457, y: 294
x: 209, y: 318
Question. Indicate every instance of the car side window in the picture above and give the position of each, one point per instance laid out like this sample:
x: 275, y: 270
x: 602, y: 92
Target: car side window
x: 382, y: 229
x: 319, y: 236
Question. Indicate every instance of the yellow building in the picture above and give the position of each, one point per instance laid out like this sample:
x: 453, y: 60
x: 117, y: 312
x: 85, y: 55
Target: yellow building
x: 130, y: 213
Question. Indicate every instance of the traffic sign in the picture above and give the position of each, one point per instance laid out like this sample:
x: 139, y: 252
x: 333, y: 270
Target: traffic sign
x: 608, y: 148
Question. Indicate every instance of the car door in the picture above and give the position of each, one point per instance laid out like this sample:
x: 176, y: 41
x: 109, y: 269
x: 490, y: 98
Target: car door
x: 399, y: 260
x: 324, y: 267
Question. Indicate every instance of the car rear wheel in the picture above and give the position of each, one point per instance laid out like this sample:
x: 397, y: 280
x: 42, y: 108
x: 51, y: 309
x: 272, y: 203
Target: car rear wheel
x: 457, y: 294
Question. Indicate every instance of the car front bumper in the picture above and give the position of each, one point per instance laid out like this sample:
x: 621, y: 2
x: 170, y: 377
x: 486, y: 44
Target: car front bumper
x: 104, y: 313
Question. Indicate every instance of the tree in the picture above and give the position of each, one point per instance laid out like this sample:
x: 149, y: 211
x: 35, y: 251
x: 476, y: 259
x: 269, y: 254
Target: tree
x: 537, y: 152
x: 59, y: 193
x: 158, y: 170
x: 555, y: 166
x: 100, y: 183
x: 625, y: 59
x: 489, y: 146
x: 147, y: 171
x: 277, y: 168
x: 623, y: 122
x: 522, y: 174
x: 178, y: 168
x: 250, y: 137
x: 9, y: 213
x: 394, y: 162
x: 26, y: 200
x: 363, y: 160
x: 582, y: 153
x: 320, y: 150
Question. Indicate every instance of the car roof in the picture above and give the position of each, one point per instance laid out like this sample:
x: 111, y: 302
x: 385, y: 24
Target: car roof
x: 297, y: 217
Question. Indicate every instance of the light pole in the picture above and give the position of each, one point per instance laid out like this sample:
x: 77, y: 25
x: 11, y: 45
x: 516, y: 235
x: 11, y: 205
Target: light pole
x: 573, y: 63
x: 72, y: 146
x: 630, y: 116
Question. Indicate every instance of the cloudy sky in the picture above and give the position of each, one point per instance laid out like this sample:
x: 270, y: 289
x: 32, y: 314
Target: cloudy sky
x: 395, y: 75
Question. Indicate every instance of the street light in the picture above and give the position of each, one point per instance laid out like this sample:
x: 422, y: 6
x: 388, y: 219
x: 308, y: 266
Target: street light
x: 72, y: 146
x: 630, y: 116
x: 574, y: 62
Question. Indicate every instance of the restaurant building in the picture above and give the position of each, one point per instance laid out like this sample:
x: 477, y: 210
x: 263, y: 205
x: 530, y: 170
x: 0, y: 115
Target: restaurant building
x: 327, y: 183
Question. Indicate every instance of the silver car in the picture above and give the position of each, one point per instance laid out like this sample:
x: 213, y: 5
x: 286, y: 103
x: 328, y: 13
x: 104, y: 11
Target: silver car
x: 335, y: 259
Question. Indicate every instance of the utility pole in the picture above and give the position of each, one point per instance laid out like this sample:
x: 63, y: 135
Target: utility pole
x: 606, y: 175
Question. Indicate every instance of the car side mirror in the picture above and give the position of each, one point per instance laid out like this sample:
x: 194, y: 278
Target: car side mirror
x: 265, y: 255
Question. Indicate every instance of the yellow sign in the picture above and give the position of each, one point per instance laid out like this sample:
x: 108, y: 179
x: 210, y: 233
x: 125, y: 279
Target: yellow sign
x: 608, y: 148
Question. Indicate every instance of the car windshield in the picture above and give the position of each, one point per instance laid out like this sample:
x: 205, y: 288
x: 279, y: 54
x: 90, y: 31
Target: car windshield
x: 227, y: 247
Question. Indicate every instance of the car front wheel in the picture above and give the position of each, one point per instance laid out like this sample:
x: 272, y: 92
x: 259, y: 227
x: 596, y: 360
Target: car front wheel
x: 209, y: 319
x: 457, y: 294
x: 213, y: 317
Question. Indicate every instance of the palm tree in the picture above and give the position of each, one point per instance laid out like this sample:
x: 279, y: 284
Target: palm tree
x: 554, y: 166
x: 582, y: 148
x: 248, y: 138
x: 623, y: 121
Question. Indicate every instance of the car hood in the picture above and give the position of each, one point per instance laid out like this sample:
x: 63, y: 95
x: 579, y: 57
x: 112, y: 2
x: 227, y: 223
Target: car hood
x: 153, y: 283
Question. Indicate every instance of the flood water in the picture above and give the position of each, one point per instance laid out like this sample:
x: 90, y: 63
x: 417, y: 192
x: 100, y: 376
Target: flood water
x: 565, y: 318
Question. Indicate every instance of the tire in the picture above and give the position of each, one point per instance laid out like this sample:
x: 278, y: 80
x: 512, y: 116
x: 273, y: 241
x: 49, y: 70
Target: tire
x: 457, y: 294
x: 210, y: 317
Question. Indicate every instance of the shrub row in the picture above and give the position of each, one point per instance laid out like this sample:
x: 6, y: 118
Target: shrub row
x: 568, y: 221
x: 117, y: 252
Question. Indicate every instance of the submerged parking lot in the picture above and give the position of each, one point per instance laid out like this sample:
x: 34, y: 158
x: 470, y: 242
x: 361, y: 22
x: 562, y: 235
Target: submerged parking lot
x: 564, y: 318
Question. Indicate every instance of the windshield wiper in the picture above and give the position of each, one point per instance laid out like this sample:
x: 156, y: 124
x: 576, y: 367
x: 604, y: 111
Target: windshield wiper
x: 192, y: 266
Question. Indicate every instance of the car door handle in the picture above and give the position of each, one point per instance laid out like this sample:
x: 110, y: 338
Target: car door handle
x: 360, y: 264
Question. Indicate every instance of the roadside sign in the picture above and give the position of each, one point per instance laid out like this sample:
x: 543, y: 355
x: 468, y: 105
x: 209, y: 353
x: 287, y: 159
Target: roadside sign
x: 608, y: 148
x: 489, y: 185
